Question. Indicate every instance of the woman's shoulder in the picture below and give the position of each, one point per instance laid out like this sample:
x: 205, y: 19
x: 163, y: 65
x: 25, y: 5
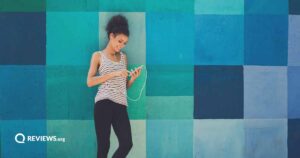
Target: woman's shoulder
x: 96, y: 55
x: 98, y: 52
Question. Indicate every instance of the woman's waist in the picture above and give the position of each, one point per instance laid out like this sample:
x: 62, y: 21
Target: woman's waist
x: 112, y: 89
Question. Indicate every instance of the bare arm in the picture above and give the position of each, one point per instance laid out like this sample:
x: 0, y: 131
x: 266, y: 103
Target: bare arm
x: 135, y: 74
x: 92, y: 79
x: 129, y: 82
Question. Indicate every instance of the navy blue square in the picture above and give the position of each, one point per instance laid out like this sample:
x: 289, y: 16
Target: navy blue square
x: 218, y: 92
x: 293, y: 138
x: 294, y: 6
x: 23, y: 38
x: 266, y: 39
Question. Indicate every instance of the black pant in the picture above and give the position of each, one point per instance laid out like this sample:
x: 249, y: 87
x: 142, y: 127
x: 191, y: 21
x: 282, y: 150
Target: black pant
x: 107, y: 113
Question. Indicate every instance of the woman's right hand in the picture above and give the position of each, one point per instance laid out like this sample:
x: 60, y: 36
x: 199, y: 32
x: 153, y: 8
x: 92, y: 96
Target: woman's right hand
x: 121, y: 73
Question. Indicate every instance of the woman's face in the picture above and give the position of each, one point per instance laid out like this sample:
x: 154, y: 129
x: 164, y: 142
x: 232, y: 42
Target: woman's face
x: 118, y: 42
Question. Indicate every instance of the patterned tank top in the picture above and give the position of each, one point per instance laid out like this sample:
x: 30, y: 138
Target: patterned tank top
x: 114, y: 88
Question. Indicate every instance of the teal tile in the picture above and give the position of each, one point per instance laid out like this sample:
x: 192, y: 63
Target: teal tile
x: 32, y: 147
x: 224, y: 7
x: 121, y: 5
x: 220, y: 30
x: 170, y: 107
x: 271, y: 7
x: 138, y: 130
x: 170, y: 38
x: 219, y: 138
x: 80, y: 139
x: 22, y: 5
x: 136, y: 46
x: 170, y: 80
x: 71, y: 37
x: 68, y: 96
x: 169, y: 138
x: 22, y: 88
x: 168, y: 6
x: 72, y: 5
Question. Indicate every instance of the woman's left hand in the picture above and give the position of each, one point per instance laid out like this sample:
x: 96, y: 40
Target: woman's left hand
x: 135, y: 73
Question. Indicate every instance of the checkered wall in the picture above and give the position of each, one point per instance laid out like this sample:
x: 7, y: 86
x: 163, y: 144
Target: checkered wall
x: 223, y: 77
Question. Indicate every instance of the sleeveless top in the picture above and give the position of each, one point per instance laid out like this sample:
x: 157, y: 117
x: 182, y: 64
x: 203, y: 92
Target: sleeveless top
x: 114, y: 88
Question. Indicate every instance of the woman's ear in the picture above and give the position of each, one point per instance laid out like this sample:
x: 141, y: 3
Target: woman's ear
x: 111, y: 36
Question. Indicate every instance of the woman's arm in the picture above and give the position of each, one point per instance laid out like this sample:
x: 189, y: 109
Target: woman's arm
x: 93, y: 80
x: 134, y: 74
x: 129, y: 82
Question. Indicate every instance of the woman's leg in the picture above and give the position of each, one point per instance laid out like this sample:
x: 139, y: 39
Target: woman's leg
x: 103, y: 112
x: 122, y: 128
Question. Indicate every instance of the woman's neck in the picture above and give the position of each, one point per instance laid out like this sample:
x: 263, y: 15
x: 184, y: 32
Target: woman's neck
x: 109, y: 50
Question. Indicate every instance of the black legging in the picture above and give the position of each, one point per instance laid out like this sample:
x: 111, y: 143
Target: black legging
x: 107, y: 113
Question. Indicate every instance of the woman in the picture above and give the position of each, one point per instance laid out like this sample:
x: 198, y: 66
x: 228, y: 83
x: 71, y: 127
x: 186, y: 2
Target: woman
x: 111, y: 100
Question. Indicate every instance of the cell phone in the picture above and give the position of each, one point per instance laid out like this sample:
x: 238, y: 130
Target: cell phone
x: 141, y: 66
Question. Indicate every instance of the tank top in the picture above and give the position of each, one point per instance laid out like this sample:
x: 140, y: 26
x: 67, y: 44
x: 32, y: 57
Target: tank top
x: 114, y: 88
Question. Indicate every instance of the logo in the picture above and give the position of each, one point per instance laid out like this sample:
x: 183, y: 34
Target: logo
x: 21, y: 138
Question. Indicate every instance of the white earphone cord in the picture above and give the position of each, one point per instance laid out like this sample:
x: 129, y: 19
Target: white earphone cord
x: 138, y: 98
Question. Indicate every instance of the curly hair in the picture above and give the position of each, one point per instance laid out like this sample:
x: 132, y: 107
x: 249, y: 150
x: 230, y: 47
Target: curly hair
x: 118, y: 24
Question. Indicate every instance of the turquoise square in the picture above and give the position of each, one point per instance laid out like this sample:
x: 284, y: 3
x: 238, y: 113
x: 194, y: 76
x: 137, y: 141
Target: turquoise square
x: 219, y: 40
x: 122, y: 6
x: 170, y: 6
x: 170, y: 80
x: 169, y: 138
x: 68, y: 96
x: 79, y: 135
x: 71, y: 37
x: 216, y: 7
x: 170, y: 107
x: 170, y: 38
x: 72, y: 5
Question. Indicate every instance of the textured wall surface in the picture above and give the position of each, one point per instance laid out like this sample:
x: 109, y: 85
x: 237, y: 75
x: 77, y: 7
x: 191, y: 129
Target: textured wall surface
x: 223, y: 77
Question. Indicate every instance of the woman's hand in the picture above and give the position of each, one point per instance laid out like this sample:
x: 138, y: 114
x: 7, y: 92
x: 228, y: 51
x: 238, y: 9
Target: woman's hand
x: 135, y: 73
x: 121, y: 73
